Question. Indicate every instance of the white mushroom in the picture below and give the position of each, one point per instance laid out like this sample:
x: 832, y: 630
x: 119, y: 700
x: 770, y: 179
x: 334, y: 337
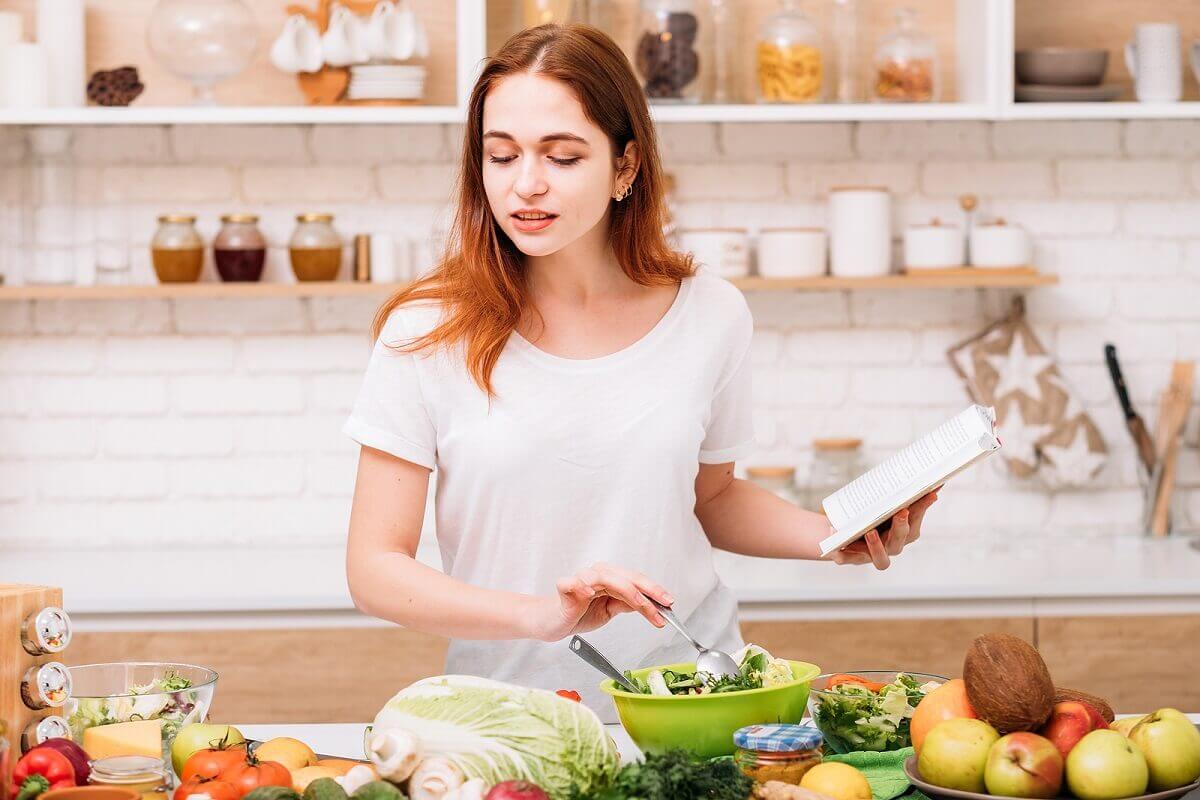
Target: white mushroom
x: 395, y: 752
x: 356, y: 778
x: 474, y: 789
x: 435, y: 779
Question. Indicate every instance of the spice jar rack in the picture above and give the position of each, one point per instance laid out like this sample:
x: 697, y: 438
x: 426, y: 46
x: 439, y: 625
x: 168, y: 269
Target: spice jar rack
x: 34, y: 685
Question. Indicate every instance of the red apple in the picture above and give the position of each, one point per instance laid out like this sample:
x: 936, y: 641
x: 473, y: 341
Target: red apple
x: 1024, y: 765
x: 1070, y: 721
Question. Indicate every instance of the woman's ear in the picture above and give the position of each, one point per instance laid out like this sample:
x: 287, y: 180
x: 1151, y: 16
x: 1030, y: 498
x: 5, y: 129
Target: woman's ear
x: 628, y: 164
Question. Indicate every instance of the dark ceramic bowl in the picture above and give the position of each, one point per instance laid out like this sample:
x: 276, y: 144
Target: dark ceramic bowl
x: 1061, y: 66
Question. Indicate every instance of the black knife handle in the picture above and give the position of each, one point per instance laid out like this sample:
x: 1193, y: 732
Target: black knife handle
x: 1114, y: 369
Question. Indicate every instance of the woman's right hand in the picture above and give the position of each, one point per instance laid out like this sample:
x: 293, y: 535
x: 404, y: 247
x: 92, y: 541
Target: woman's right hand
x: 592, y: 597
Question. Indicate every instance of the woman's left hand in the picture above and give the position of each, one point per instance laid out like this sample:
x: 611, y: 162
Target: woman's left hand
x: 879, y: 550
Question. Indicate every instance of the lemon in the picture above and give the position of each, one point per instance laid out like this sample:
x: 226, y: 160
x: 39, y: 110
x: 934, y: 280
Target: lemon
x: 837, y: 780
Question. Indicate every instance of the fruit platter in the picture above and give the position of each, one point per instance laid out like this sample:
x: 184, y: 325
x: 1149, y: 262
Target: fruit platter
x: 776, y: 731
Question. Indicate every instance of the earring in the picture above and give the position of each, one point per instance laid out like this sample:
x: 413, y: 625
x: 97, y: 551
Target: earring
x: 623, y: 193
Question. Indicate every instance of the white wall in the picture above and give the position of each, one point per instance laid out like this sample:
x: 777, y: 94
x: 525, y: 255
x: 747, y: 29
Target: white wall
x: 215, y: 422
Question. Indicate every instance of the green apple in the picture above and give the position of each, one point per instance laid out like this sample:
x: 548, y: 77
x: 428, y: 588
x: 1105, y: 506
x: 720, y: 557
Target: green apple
x: 955, y: 754
x: 1171, y: 745
x: 1126, y: 724
x: 200, y: 736
x: 1106, y: 766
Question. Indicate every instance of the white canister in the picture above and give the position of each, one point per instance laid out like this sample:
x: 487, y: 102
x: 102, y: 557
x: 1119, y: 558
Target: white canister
x: 998, y: 244
x: 23, y: 76
x: 791, y: 252
x: 11, y: 28
x: 860, y: 231
x: 725, y: 251
x: 933, y: 246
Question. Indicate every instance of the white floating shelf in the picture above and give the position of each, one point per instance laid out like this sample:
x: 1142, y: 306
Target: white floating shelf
x: 1113, y: 110
x: 820, y: 112
x: 231, y: 115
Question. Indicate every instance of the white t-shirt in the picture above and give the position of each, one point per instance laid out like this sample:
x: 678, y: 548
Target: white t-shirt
x: 576, y: 461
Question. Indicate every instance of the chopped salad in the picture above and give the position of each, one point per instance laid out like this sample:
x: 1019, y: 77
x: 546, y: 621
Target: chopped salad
x: 858, y: 714
x: 166, y: 698
x: 757, y: 669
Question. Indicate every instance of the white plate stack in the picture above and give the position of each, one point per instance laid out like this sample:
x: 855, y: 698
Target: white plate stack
x: 386, y: 82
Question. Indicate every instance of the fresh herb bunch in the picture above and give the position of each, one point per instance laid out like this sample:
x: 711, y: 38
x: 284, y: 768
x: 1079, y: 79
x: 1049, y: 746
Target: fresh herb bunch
x: 674, y: 775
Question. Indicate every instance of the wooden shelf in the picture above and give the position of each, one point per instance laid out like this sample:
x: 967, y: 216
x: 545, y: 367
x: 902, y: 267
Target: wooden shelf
x: 182, y: 291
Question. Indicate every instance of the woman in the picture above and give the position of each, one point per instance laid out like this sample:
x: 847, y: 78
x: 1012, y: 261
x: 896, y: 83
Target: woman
x: 582, y: 393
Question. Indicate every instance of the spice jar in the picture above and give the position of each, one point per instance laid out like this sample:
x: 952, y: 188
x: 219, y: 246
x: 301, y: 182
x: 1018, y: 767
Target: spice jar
x: 240, y: 249
x: 779, y: 480
x: 145, y: 775
x: 835, y: 463
x: 177, y: 250
x: 315, y: 248
x: 668, y: 55
x: 905, y: 66
x: 5, y: 761
x: 789, y: 64
x: 777, y: 752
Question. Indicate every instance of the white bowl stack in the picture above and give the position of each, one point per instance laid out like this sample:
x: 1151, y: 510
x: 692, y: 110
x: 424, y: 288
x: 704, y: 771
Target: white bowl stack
x: 386, y: 82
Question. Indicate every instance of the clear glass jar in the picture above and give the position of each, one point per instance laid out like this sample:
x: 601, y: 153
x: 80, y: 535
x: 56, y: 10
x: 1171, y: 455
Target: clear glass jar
x: 789, y: 64
x: 51, y: 226
x: 531, y: 13
x: 671, y: 51
x: 315, y: 248
x: 780, y: 480
x: 905, y: 67
x: 177, y: 251
x: 145, y: 775
x: 240, y: 248
x: 835, y: 463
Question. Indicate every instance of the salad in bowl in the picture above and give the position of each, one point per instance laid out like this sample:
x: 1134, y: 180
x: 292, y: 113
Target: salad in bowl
x: 868, y: 710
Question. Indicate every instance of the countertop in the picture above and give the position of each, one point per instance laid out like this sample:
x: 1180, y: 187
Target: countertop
x: 1109, y: 576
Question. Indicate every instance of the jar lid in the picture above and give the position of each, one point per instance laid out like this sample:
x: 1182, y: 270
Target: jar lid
x: 778, y: 738
x: 837, y: 444
x: 186, y: 219
x: 314, y: 217
x: 128, y: 769
x: 247, y: 219
x: 771, y: 472
x: 852, y: 188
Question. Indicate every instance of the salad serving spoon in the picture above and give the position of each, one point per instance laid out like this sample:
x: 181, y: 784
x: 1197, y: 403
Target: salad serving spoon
x: 717, y: 663
x: 580, y: 647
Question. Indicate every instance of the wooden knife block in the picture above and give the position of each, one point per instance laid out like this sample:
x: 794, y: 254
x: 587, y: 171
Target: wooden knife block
x: 18, y: 602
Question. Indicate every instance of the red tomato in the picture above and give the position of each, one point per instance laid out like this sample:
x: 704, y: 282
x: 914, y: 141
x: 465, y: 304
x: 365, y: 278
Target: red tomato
x: 216, y: 789
x: 253, y: 773
x: 570, y: 695
x: 212, y: 763
x: 837, y: 680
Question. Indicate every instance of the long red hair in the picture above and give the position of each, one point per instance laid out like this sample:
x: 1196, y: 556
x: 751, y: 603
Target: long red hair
x: 480, y: 282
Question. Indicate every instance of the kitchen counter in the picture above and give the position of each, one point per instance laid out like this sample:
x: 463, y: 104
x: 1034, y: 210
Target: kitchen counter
x: 300, y: 586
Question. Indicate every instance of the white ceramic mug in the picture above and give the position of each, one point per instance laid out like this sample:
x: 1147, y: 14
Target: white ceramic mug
x: 391, y: 32
x: 1154, y: 61
x: 725, y: 251
x: 298, y: 46
x: 792, y: 252
x: 343, y: 42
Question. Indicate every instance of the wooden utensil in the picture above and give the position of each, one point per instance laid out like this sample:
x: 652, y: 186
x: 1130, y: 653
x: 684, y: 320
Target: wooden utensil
x: 1133, y: 421
x: 1173, y: 410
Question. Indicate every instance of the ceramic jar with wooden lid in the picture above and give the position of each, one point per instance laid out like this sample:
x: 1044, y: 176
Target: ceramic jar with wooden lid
x: 860, y: 231
x: 835, y: 463
x: 724, y: 251
x: 934, y: 246
x: 792, y: 252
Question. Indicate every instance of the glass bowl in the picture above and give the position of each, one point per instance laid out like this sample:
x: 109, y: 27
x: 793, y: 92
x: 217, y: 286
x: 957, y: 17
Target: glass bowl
x: 102, y: 694
x: 858, y: 720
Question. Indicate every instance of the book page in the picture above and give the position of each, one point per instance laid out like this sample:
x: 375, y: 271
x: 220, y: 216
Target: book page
x: 879, y: 483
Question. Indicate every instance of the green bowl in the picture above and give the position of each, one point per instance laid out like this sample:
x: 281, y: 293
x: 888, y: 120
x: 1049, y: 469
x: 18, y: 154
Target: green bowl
x: 704, y: 723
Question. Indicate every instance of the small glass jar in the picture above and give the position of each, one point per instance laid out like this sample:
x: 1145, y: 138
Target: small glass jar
x: 145, y: 775
x: 671, y: 52
x: 315, y: 248
x: 240, y: 249
x: 177, y: 251
x: 835, y: 463
x: 779, y: 480
x: 777, y: 752
x: 5, y: 762
x: 905, y: 66
x: 39, y: 730
x: 789, y: 65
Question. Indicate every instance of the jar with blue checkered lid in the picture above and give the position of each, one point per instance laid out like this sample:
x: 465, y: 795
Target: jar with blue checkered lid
x: 777, y: 752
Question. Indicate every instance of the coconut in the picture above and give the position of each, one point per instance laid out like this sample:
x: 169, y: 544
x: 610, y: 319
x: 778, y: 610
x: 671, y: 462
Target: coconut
x: 1008, y: 683
x: 1098, y: 703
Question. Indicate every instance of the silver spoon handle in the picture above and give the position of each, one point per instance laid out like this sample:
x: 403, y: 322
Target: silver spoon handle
x: 591, y: 655
x: 670, y: 617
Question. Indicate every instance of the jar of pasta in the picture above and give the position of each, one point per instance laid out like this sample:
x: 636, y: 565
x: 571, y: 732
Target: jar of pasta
x: 789, y: 66
x: 905, y: 67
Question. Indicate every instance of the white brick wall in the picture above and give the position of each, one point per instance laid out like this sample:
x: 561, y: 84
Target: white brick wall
x: 130, y: 422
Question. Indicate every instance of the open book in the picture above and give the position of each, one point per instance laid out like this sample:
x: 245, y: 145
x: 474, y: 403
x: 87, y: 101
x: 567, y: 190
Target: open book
x: 908, y: 475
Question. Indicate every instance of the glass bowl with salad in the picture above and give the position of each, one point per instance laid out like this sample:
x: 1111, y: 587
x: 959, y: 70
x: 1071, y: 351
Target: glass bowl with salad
x: 105, y: 694
x: 868, y: 709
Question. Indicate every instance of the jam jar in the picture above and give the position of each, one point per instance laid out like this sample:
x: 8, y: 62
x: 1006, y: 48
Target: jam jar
x: 777, y: 752
x: 145, y: 775
x: 177, y: 250
x: 240, y: 249
x: 315, y: 248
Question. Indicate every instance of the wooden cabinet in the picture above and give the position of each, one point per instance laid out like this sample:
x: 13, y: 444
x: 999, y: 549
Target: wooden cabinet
x: 1138, y: 663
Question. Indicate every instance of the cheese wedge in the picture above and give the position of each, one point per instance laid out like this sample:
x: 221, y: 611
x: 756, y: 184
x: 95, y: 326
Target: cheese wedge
x: 140, y: 738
